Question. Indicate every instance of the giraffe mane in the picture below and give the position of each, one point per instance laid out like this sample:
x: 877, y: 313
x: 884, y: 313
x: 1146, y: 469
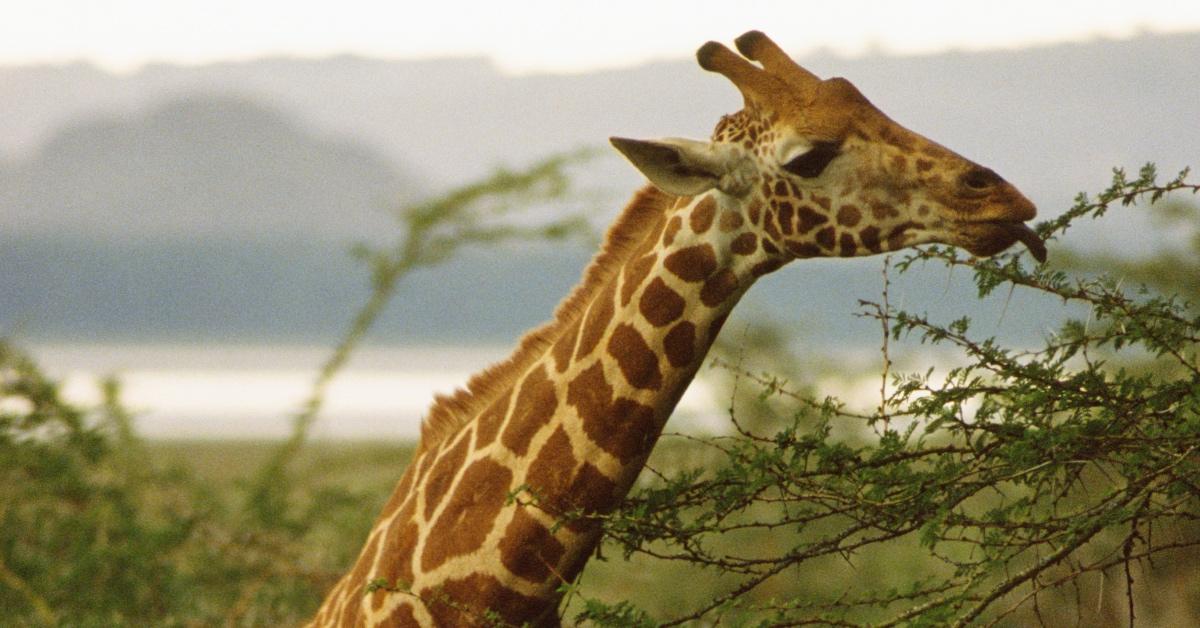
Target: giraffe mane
x: 450, y: 412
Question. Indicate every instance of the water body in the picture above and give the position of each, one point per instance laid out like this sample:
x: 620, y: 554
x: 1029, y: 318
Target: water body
x: 252, y: 391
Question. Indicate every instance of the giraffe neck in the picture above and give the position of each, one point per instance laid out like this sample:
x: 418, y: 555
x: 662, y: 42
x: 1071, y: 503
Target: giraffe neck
x: 502, y: 510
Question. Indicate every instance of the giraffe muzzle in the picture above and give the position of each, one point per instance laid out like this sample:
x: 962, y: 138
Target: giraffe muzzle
x: 994, y: 237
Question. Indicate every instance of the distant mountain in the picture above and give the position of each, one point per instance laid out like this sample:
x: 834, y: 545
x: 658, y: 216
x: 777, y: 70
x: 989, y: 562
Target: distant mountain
x: 201, y: 168
x: 218, y: 201
x: 1052, y: 119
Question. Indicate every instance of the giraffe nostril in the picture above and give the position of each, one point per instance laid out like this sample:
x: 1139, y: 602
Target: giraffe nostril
x: 980, y: 179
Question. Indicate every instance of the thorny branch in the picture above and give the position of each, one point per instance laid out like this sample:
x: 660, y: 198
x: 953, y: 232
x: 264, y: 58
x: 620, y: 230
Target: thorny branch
x: 1020, y: 468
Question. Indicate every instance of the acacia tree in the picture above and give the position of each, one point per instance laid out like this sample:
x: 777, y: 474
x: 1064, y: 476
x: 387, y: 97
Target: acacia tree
x: 1021, y: 483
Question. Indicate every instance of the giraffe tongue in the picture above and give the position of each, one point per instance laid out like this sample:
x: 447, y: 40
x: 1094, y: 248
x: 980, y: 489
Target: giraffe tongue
x: 1022, y: 232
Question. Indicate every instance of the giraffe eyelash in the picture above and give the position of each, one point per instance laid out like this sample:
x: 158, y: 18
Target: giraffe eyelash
x: 813, y: 162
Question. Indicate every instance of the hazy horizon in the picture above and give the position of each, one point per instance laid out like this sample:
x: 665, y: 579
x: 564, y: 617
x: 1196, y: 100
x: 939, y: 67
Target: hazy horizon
x: 220, y: 202
x: 216, y: 205
x: 541, y: 36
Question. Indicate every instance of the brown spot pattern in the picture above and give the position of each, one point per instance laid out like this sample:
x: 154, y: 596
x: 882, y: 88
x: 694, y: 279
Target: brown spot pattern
x: 564, y: 347
x: 550, y: 474
x: 680, y: 344
x: 880, y: 211
x: 401, y: 543
x: 466, y: 519
x: 426, y: 462
x: 744, y: 244
x: 402, y: 616
x: 631, y: 431
x: 784, y: 210
x: 623, y: 428
x: 803, y: 249
x: 646, y: 245
x: 730, y: 221
x: 825, y: 238
x: 894, y: 136
x: 772, y: 230
x: 694, y: 263
x: 655, y: 234
x: 464, y: 601
x: 534, y: 408
x: 350, y: 612
x: 592, y: 492
x: 809, y: 218
x: 896, y: 238
x: 767, y: 266
x: 702, y: 216
x: 715, y: 326
x: 849, y: 246
x: 597, y: 320
x: 590, y: 394
x: 755, y: 211
x: 528, y: 549
x: 635, y: 274
x: 718, y: 287
x: 673, y: 228
x: 870, y: 239
x: 399, y: 495
x: 660, y: 304
x: 490, y: 421
x: 848, y: 215
x: 638, y: 362
x: 442, y: 476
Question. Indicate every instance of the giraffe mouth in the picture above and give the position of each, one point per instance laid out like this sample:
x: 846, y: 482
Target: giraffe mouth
x: 995, y: 236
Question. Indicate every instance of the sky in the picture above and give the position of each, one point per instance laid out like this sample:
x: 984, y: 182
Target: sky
x: 547, y: 36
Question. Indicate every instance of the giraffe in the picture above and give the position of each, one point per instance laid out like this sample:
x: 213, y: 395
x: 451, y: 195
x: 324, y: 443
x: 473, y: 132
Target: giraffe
x: 808, y: 168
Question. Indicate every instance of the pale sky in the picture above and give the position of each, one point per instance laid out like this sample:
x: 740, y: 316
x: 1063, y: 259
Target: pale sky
x: 556, y: 35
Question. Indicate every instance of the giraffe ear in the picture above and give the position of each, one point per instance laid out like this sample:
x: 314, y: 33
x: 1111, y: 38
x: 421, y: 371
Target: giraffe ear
x: 676, y: 166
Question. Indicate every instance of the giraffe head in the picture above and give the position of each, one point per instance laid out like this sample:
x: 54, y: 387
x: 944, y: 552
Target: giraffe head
x: 827, y: 173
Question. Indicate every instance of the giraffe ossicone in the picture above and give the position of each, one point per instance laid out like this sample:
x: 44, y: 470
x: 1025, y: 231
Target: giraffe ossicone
x: 808, y: 168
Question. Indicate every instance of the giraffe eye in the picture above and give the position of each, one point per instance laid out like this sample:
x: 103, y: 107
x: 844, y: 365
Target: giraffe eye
x: 812, y: 164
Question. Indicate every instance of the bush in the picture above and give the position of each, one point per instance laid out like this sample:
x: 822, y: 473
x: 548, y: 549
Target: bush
x: 96, y: 530
x: 1006, y: 486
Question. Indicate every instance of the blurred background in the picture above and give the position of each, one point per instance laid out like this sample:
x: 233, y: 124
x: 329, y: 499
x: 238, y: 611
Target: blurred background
x: 181, y: 183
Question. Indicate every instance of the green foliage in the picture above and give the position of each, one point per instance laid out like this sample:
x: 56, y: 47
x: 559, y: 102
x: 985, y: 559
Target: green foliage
x: 100, y: 529
x: 977, y: 495
x: 95, y: 531
x: 75, y: 516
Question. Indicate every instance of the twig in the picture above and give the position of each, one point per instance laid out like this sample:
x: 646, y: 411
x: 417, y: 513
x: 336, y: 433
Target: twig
x: 885, y: 322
